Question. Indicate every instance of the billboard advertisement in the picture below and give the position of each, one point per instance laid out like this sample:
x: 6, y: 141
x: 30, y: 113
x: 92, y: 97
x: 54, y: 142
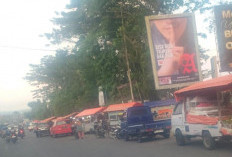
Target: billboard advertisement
x: 174, y: 50
x: 223, y: 19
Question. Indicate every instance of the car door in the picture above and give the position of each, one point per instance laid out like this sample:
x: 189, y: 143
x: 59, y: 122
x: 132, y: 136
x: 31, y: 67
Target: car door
x: 178, y: 118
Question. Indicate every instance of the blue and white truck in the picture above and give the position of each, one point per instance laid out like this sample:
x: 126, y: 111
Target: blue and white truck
x: 139, y: 122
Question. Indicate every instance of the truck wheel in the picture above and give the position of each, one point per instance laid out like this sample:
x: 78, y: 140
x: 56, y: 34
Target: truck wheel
x: 126, y: 138
x: 140, y: 139
x: 166, y: 134
x: 179, y: 138
x: 151, y: 137
x: 208, y: 140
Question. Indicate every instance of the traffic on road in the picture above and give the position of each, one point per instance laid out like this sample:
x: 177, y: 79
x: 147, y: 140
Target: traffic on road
x: 197, y: 111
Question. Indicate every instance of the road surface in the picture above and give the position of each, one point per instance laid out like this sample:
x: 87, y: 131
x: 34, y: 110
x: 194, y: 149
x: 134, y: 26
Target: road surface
x: 107, y: 147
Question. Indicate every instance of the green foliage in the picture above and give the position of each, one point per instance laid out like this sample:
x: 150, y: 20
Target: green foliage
x: 39, y: 110
x: 94, y: 28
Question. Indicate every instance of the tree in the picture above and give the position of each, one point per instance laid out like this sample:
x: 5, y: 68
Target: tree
x: 39, y: 110
x: 98, y: 32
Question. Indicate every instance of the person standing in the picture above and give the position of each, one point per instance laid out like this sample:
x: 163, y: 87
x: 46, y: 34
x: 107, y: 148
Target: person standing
x: 80, y: 129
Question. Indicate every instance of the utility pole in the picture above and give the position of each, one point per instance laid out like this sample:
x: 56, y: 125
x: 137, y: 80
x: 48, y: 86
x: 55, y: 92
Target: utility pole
x: 126, y: 56
x: 214, y: 67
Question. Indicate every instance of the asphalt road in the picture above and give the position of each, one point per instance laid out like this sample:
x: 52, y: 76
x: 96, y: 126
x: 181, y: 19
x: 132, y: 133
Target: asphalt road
x: 107, y: 147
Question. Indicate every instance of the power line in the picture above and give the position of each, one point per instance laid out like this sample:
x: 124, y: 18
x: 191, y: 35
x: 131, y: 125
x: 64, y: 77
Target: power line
x: 27, y: 48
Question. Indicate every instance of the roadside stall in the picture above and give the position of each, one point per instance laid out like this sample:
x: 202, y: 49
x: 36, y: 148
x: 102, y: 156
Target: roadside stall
x: 48, y: 121
x: 116, y: 110
x: 205, y: 110
x: 88, y: 116
x: 69, y: 118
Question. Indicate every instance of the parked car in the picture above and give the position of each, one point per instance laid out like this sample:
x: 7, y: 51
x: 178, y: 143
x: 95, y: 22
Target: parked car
x: 43, y: 129
x: 60, y: 127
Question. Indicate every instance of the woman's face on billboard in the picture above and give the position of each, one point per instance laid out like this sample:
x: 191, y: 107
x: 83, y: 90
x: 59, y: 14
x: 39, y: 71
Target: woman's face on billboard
x: 172, y: 29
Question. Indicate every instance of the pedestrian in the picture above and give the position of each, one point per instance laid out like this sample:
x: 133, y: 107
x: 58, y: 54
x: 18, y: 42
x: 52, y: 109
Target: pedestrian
x: 80, y: 129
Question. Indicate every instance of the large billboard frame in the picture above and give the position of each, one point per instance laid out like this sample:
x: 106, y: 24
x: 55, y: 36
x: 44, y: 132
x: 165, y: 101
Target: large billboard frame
x: 221, y: 24
x: 151, y: 46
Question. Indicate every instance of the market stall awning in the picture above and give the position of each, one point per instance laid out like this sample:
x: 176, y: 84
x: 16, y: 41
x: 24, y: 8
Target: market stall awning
x: 160, y: 103
x: 58, y: 119
x: 47, y: 120
x: 205, y: 87
x: 71, y: 115
x: 35, y: 121
x: 92, y: 111
x: 121, y: 107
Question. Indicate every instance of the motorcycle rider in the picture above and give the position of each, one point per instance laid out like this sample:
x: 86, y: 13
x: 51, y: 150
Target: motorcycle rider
x: 21, y: 132
x: 7, y: 135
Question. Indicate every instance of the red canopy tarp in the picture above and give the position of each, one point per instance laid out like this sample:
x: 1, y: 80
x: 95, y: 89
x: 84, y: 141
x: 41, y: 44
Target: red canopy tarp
x: 47, y: 120
x: 92, y: 111
x: 58, y: 119
x: 205, y: 87
x: 121, y: 107
x: 35, y: 121
x: 71, y: 115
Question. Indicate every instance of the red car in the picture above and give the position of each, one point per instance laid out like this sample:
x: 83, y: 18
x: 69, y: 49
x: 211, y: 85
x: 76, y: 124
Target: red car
x: 60, y: 127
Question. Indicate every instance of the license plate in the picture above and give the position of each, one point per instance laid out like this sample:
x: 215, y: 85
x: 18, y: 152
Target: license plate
x: 158, y: 131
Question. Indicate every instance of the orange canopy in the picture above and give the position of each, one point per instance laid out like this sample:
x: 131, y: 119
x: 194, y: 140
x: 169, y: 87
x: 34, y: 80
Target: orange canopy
x: 92, y: 111
x: 205, y: 87
x: 121, y: 107
x: 47, y: 120
x: 70, y: 115
x: 35, y: 121
x: 58, y: 119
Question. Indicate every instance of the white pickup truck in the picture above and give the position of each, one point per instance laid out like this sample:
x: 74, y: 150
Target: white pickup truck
x: 204, y: 110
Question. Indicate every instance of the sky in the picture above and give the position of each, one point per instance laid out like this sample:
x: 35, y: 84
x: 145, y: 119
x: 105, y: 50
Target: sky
x: 22, y: 23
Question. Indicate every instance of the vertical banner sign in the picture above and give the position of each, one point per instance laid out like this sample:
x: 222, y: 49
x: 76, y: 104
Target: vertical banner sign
x: 174, y: 50
x: 223, y: 18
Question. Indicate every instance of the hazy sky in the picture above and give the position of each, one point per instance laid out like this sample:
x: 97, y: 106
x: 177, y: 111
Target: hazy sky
x: 22, y: 21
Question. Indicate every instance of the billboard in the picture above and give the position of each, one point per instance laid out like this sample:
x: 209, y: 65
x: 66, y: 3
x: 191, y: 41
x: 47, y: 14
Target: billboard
x: 223, y: 19
x: 174, y: 50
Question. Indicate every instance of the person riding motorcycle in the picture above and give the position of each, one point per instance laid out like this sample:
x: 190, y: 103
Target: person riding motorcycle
x: 21, y: 132
x: 8, y: 134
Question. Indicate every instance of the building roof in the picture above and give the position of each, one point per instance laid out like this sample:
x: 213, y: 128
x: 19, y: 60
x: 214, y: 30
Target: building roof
x: 121, y: 107
x: 92, y: 111
x: 205, y: 87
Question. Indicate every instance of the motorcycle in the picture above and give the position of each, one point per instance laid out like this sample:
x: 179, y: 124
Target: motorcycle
x: 75, y: 133
x: 14, y: 137
x: 21, y: 133
x: 100, y: 132
x: 7, y: 138
x: 115, y: 132
x: 11, y: 137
